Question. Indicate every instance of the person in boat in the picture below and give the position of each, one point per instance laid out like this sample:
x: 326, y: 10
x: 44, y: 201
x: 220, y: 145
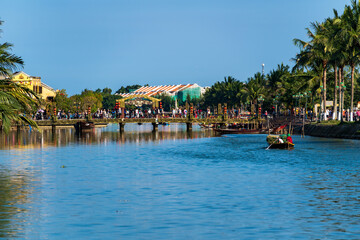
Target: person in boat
x: 289, y: 139
x: 281, y: 141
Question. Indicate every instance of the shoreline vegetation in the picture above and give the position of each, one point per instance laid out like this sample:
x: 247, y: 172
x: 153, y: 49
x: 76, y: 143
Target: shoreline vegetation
x: 325, y: 69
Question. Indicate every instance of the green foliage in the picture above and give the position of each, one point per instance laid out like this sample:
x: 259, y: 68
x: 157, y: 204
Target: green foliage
x: 62, y: 101
x: 334, y: 42
x: 109, y: 101
x: 8, y: 62
x: 80, y: 102
x: 90, y: 98
x: 129, y: 88
x: 229, y: 91
x: 168, y: 103
x: 330, y: 122
x: 106, y: 91
x: 17, y: 102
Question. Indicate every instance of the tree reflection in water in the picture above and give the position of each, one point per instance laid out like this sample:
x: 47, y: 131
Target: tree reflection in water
x: 15, y: 192
x: 65, y: 136
x: 17, y: 183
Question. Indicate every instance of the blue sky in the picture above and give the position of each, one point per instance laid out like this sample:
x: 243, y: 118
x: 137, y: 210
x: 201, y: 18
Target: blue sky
x: 77, y: 44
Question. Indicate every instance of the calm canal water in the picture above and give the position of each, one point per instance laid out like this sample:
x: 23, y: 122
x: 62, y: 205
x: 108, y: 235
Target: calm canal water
x: 174, y: 185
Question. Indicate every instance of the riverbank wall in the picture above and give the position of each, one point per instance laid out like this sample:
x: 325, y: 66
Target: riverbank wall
x: 345, y: 130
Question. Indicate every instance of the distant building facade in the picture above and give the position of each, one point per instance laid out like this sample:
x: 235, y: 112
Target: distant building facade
x: 34, y: 83
x: 180, y: 92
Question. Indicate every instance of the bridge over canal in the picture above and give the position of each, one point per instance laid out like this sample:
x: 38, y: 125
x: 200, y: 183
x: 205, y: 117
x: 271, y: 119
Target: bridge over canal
x: 252, y: 124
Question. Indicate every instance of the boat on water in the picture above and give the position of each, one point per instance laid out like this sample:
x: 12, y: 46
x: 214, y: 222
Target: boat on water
x: 275, y: 142
x: 286, y: 145
x: 84, y: 126
x: 203, y: 125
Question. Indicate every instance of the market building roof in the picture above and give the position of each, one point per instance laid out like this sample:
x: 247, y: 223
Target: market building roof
x: 156, y: 90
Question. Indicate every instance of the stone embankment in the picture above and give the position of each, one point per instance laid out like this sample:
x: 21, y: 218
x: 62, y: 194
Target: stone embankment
x: 345, y: 130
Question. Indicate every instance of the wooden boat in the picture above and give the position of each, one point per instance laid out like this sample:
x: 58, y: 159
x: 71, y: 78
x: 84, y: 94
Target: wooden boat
x: 286, y: 145
x: 84, y: 126
x: 203, y: 125
x: 237, y: 131
x: 274, y: 143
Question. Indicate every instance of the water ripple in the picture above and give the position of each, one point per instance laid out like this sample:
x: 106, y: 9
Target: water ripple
x: 174, y: 186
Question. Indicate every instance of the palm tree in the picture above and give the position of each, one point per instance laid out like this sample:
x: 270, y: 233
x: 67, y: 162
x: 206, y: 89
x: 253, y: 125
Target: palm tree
x: 276, y: 78
x: 255, y: 88
x: 8, y: 62
x: 335, y: 39
x: 351, y: 19
x: 228, y: 91
x: 318, y: 51
x: 339, y: 60
x: 15, y: 100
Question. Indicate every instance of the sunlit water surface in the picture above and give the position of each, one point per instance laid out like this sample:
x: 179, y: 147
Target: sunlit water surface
x: 174, y: 185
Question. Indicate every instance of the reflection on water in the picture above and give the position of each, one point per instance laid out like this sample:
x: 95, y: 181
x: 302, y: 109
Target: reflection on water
x: 173, y: 185
x: 16, y: 190
x: 65, y: 136
x: 333, y: 188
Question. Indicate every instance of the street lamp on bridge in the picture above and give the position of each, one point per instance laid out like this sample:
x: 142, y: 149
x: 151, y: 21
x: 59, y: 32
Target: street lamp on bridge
x: 260, y: 100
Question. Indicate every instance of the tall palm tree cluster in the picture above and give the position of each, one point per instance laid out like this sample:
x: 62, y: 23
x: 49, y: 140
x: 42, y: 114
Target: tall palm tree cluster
x: 333, y: 46
x: 325, y: 68
x: 278, y: 88
x: 16, y: 102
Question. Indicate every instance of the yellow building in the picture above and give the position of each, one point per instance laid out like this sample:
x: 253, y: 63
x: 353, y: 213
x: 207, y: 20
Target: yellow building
x: 34, y: 83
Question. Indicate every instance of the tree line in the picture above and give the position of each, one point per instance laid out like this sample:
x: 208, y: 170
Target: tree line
x: 334, y: 47
x: 326, y: 68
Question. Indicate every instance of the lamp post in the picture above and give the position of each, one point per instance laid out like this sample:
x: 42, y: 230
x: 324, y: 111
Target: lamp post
x: 306, y: 95
x: 343, y: 89
x: 304, y: 114
x: 276, y: 101
x: 337, y: 108
x: 297, y: 105
x: 263, y: 69
x: 248, y: 105
x: 301, y: 96
x: 295, y: 97
x: 260, y: 100
x: 322, y: 107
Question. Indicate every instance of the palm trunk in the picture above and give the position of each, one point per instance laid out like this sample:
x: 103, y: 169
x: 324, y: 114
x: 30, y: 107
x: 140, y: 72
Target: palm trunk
x: 342, y: 104
x: 324, y: 84
x: 341, y: 79
x: 335, y: 93
x: 252, y: 108
x: 352, y: 92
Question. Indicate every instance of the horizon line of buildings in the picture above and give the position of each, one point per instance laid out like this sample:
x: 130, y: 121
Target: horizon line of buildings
x: 35, y: 84
x: 179, y: 91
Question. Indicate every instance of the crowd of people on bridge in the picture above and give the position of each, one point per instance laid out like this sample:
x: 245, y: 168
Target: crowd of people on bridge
x: 43, y: 114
